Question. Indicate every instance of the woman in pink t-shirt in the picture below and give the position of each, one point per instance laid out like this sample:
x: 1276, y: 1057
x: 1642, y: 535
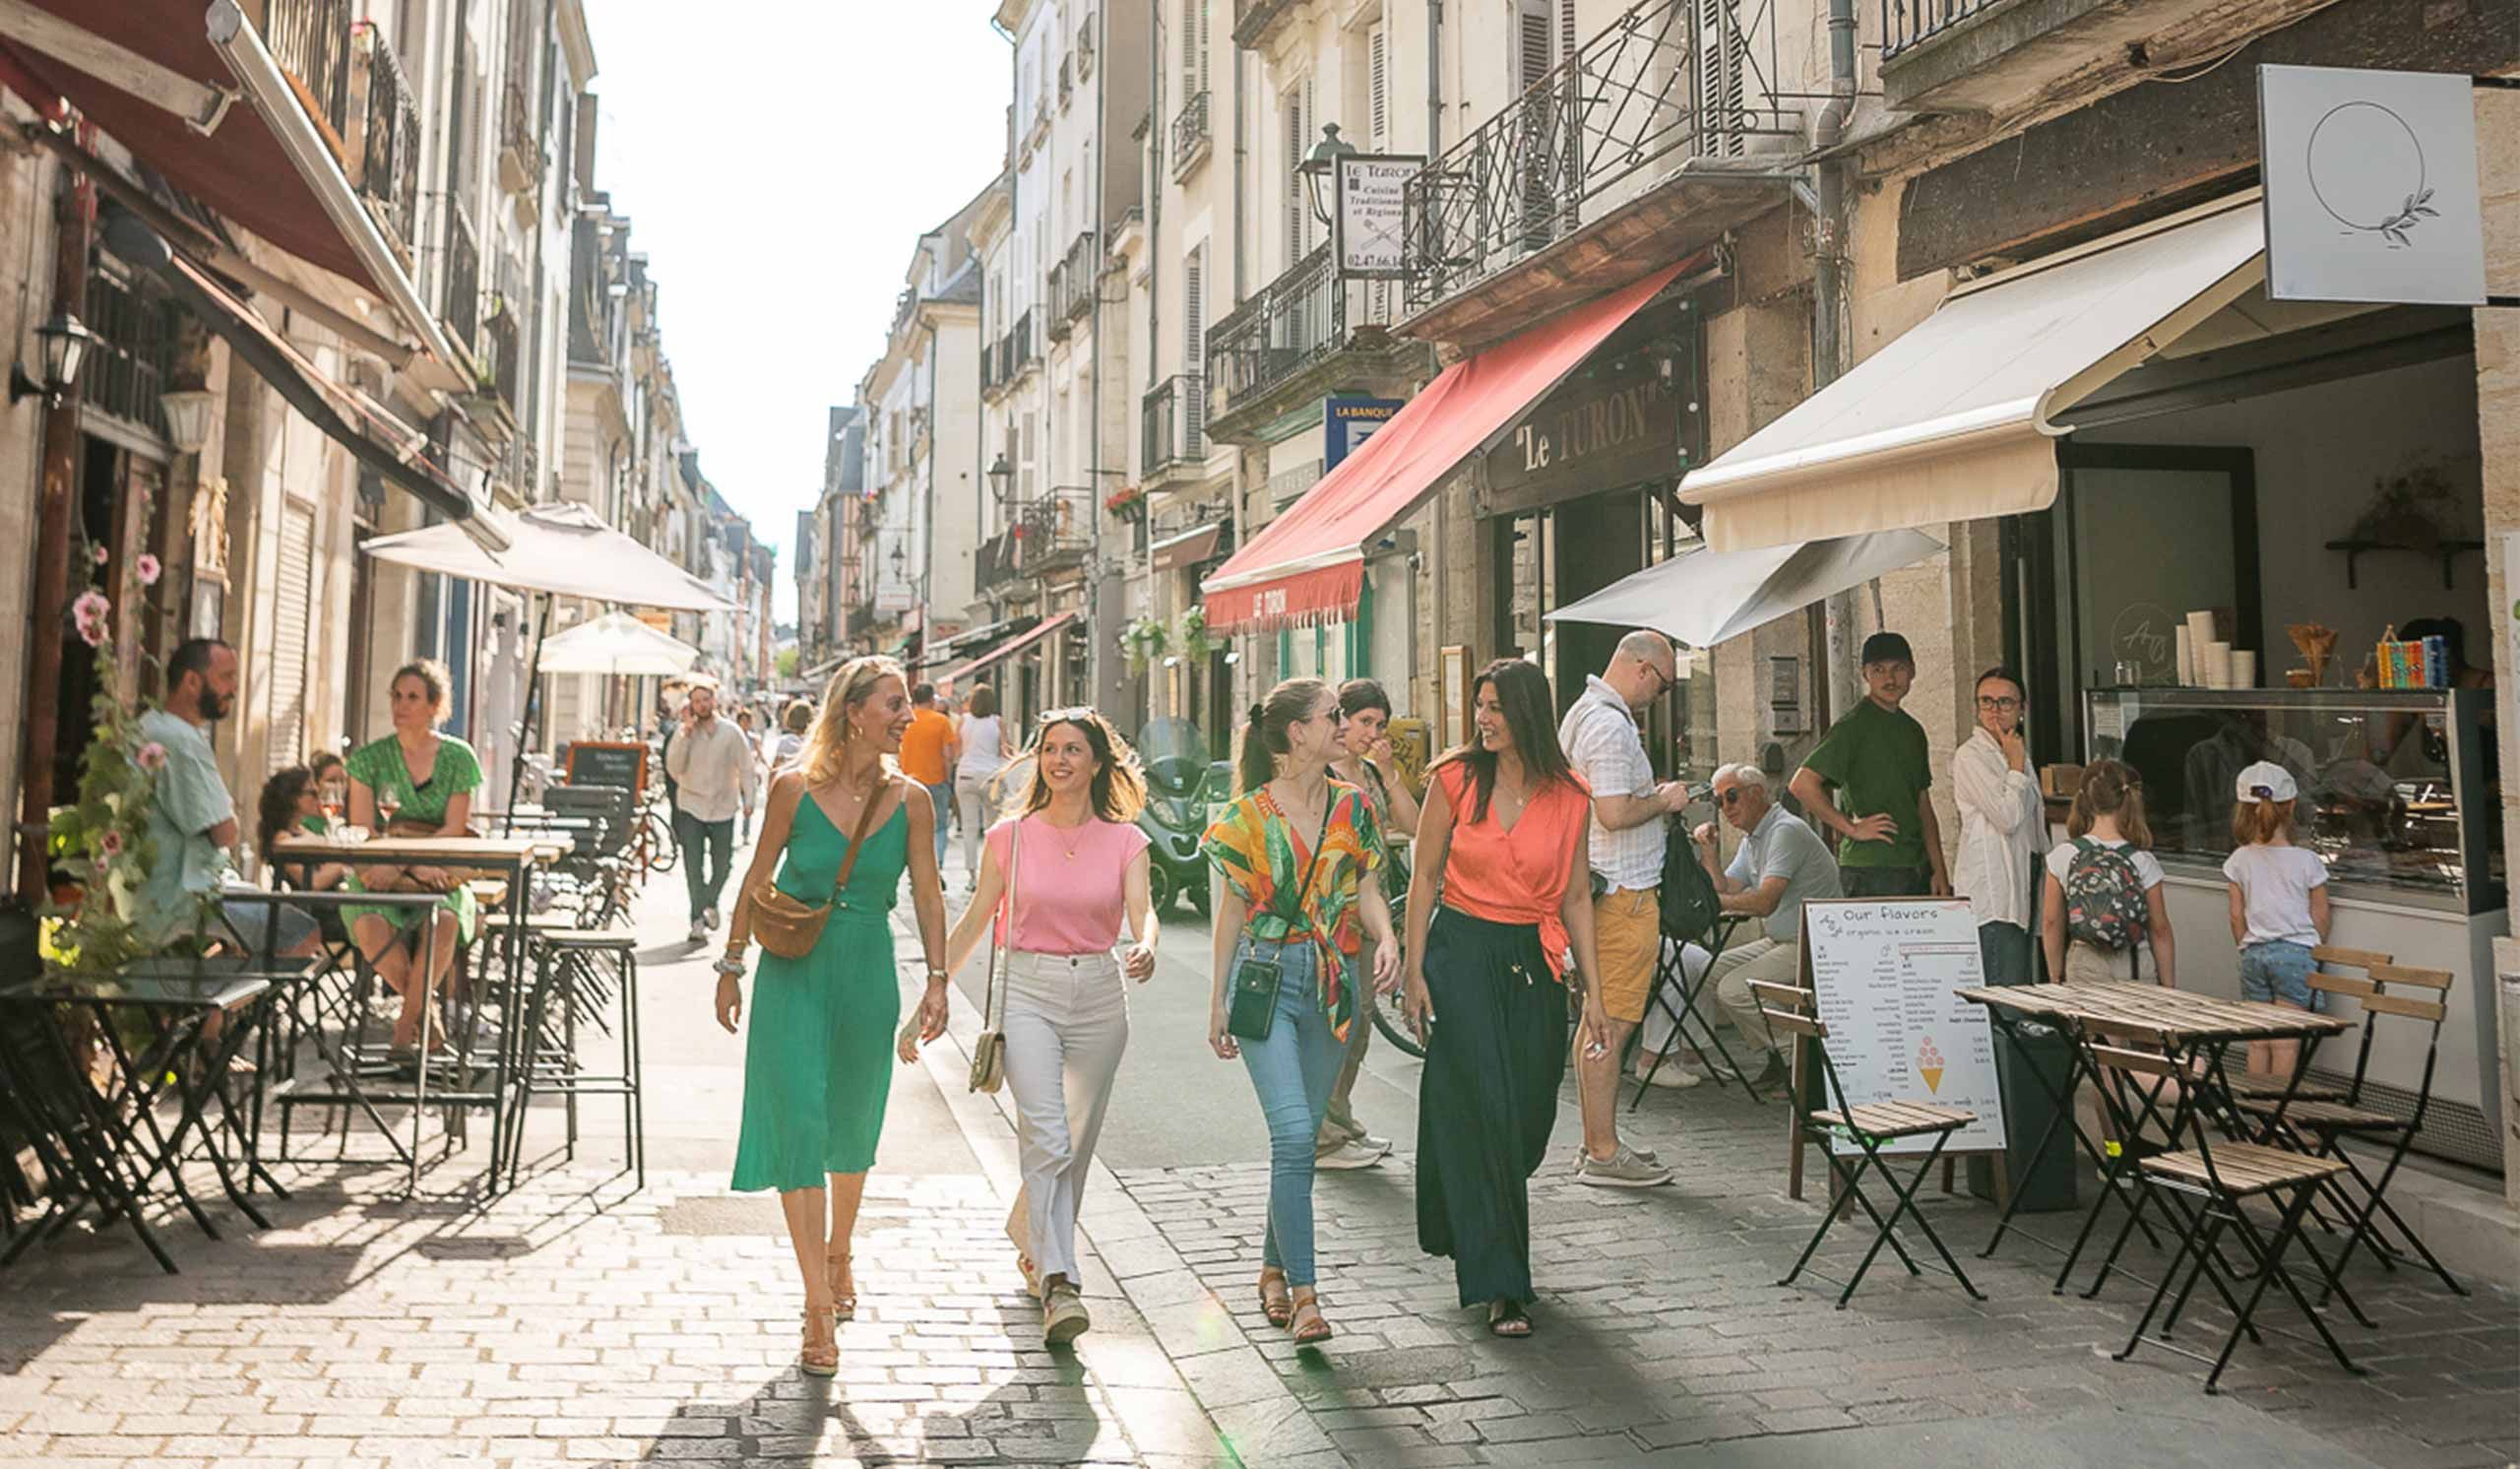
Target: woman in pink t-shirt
x: 1080, y: 867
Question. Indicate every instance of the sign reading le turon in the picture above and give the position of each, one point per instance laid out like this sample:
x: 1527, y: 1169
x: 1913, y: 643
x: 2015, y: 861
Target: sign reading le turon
x: 1591, y: 434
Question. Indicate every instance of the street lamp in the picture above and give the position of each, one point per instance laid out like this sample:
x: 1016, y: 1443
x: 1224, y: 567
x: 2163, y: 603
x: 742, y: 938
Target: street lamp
x: 187, y: 418
x: 1319, y: 166
x: 1000, y: 476
x: 65, y: 342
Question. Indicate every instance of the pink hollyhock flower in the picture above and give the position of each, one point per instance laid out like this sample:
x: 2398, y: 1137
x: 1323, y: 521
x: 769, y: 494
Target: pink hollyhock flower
x: 149, y: 570
x: 88, y: 613
x: 110, y: 843
x: 152, y: 756
x: 100, y: 555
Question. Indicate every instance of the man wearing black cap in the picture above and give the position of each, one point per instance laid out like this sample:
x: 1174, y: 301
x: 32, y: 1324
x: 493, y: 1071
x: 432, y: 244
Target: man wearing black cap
x: 1874, y: 763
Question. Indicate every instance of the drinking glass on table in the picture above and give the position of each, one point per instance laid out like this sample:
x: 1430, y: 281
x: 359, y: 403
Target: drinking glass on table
x: 327, y: 799
x: 386, y: 803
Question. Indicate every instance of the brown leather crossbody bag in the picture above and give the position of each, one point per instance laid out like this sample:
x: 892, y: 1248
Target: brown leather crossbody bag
x: 790, y: 927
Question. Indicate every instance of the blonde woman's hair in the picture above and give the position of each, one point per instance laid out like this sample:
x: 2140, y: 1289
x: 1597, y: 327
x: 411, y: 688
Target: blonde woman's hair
x: 2254, y: 822
x: 827, y: 742
x: 2111, y: 788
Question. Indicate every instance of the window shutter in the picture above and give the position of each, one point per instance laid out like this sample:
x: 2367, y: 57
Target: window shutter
x: 1377, y: 81
x: 1200, y: 71
x: 1291, y: 108
x: 1723, y: 55
x: 1194, y: 310
x: 1532, y: 44
x: 1190, y: 10
x: 292, y: 611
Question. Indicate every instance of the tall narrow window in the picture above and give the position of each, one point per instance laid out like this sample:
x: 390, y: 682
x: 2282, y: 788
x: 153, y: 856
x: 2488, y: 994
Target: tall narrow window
x: 1379, y: 88
x: 1296, y: 109
x: 1194, y: 310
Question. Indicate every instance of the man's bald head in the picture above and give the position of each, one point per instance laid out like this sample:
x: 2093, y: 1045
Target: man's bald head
x: 1644, y: 669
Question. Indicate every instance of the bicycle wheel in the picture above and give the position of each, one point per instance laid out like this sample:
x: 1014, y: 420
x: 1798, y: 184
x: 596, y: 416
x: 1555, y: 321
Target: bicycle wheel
x: 659, y: 839
x: 1395, y: 1031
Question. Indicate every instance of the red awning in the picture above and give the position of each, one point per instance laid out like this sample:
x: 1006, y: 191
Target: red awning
x: 239, y: 168
x: 1048, y: 626
x: 1307, y: 566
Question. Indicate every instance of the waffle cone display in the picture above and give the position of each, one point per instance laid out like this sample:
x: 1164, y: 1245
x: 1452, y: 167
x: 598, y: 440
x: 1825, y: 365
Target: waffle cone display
x: 2317, y: 643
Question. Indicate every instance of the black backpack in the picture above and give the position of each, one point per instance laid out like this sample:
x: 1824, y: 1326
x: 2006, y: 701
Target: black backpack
x: 1690, y: 906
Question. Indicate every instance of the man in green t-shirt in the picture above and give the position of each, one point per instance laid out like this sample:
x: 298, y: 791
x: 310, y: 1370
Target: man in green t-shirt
x: 1874, y: 764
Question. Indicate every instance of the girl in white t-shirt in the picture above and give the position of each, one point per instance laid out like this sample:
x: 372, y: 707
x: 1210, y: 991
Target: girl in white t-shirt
x: 2108, y: 815
x: 2279, y: 904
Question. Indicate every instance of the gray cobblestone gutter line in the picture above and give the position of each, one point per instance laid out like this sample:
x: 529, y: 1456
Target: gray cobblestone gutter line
x: 1258, y: 1421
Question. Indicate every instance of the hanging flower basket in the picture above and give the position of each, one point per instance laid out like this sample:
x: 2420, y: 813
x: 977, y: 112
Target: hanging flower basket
x: 1128, y: 502
x: 1145, y: 640
x: 1191, y: 634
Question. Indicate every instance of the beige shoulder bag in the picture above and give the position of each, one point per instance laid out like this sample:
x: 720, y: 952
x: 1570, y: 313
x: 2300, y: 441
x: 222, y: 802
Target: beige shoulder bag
x: 988, y: 1052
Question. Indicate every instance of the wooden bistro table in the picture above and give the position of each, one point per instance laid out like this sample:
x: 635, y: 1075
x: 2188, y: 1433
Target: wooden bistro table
x: 2195, y: 1030
x: 516, y: 860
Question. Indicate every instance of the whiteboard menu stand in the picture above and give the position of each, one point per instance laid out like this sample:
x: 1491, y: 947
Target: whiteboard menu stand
x: 1883, y: 972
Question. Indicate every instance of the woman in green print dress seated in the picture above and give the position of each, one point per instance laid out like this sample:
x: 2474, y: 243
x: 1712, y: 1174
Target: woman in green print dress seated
x: 412, y: 777
x: 815, y: 1063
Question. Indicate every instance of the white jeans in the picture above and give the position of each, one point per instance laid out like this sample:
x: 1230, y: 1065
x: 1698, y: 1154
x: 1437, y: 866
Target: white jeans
x: 1066, y: 1022
x: 973, y: 798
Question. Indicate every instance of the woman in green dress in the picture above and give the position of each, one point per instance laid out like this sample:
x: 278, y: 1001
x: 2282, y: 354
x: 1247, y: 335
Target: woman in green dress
x: 815, y: 1078
x: 415, y: 776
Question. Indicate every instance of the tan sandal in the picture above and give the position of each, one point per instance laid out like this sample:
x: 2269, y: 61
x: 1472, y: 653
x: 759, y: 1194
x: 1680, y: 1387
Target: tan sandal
x: 819, y: 1356
x: 1277, y: 1303
x: 844, y: 1303
x: 1310, y: 1327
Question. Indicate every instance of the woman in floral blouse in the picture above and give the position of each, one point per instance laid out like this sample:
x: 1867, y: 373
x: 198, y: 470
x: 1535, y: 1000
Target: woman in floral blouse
x: 1297, y: 853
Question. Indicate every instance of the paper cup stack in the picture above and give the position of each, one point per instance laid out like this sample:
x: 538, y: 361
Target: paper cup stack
x: 2243, y: 668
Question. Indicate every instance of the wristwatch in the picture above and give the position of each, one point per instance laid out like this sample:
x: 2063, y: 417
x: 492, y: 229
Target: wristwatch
x: 937, y: 977
x: 729, y: 966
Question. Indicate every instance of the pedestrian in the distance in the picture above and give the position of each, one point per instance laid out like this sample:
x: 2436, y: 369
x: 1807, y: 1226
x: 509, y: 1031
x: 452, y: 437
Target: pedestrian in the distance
x: 789, y: 741
x: 1366, y: 761
x: 1489, y: 984
x: 2003, y: 825
x: 1300, y: 854
x: 928, y: 756
x: 815, y: 1078
x: 744, y: 722
x: 716, y: 777
x: 1874, y: 759
x: 986, y: 744
x: 1057, y: 879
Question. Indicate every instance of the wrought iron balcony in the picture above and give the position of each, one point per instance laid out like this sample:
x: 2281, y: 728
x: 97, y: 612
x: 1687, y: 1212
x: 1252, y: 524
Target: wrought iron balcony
x: 1190, y: 135
x: 500, y: 357
x: 462, y: 306
x: 126, y: 369
x: 1018, y: 347
x: 1907, y: 23
x: 1172, y: 421
x: 1080, y: 270
x: 1262, y: 356
x: 1669, y: 83
x: 1055, y: 532
x: 520, y: 150
x: 1254, y: 20
x: 390, y: 142
x: 311, y: 41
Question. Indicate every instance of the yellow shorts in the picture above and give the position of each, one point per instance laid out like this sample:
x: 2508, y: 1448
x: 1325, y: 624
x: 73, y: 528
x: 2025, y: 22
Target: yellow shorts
x: 1627, y: 934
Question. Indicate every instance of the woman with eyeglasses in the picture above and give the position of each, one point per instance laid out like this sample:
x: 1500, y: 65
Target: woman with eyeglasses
x: 1298, y: 854
x: 1488, y: 984
x: 2002, y: 823
x: 1068, y: 869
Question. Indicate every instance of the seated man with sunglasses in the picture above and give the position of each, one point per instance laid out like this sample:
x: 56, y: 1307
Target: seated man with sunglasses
x: 1782, y: 861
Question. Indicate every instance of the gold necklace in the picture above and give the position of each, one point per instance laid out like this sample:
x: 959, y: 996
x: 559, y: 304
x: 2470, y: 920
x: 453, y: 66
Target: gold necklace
x: 1082, y: 832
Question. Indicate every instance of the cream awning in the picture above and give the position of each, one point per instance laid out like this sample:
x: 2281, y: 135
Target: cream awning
x: 1954, y: 420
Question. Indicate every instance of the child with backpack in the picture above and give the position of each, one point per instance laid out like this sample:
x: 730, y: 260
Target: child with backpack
x: 2103, y: 893
x: 2279, y: 904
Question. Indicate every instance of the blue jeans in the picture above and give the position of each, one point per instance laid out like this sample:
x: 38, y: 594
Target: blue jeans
x: 715, y: 840
x: 941, y: 799
x: 2279, y: 972
x: 1293, y: 1072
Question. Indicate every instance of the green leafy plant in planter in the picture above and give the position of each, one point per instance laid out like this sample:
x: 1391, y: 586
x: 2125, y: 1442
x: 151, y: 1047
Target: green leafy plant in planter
x: 1145, y: 640
x: 2416, y: 508
x: 100, y: 840
x: 1192, y: 634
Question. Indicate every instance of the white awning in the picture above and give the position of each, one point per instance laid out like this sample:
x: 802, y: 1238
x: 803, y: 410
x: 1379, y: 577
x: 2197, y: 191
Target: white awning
x: 1954, y: 420
x: 1701, y: 598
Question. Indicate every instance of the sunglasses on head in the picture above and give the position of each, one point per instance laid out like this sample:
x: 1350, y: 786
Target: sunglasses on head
x: 1074, y: 714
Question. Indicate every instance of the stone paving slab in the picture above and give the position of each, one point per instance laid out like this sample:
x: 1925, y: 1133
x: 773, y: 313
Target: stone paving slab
x: 1663, y: 1336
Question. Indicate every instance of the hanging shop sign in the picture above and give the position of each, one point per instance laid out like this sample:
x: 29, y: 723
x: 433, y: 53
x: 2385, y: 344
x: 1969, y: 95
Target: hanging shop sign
x: 1593, y: 433
x: 1347, y: 423
x: 2370, y: 187
x: 1368, y: 214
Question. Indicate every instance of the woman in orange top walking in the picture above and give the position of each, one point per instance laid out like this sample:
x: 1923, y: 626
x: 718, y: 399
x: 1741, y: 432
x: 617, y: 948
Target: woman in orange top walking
x: 1488, y: 982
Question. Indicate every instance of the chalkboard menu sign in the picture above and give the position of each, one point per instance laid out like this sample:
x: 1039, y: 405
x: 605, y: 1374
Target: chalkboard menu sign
x: 595, y: 762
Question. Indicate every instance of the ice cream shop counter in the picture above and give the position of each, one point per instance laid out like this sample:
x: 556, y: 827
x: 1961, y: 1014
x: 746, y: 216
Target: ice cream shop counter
x: 2399, y: 798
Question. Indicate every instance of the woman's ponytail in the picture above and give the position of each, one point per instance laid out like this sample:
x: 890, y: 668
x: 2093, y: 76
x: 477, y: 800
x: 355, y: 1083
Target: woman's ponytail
x: 1264, y: 734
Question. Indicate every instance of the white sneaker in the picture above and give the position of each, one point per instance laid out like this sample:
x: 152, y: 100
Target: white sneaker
x: 1671, y: 1074
x: 699, y: 930
x: 1349, y: 1155
x: 712, y: 919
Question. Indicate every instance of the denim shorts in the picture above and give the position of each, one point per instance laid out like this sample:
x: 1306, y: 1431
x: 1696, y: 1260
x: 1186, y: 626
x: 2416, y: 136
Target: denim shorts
x: 2279, y: 972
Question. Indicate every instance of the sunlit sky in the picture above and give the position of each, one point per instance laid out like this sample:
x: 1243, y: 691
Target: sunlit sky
x: 779, y: 159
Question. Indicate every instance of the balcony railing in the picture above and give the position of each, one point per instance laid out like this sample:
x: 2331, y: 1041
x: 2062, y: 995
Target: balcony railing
x: 1015, y: 351
x: 1079, y: 272
x: 1190, y: 134
x: 1055, y: 316
x: 311, y: 41
x: 1669, y: 78
x: 500, y: 358
x: 1301, y: 318
x: 1171, y: 420
x: 390, y: 147
x: 1055, y: 532
x: 1908, y: 23
x: 990, y: 381
x: 461, y: 309
x: 520, y: 150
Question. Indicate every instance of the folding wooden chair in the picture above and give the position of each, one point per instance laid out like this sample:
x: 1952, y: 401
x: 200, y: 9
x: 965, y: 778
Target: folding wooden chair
x: 2210, y: 1186
x: 1868, y: 1127
x: 2320, y: 1127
